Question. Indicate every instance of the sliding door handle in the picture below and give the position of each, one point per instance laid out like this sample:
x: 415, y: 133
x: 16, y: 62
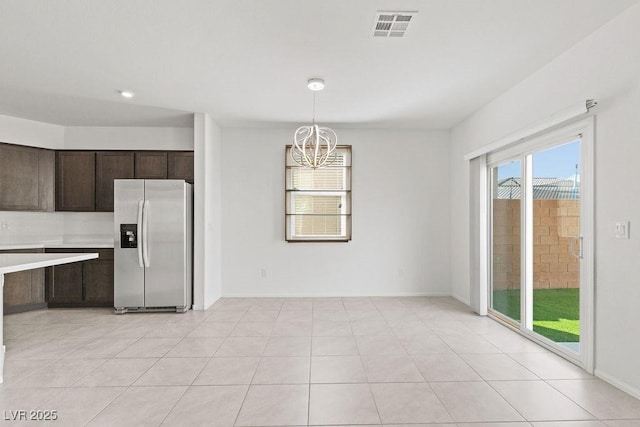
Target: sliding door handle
x: 572, y: 247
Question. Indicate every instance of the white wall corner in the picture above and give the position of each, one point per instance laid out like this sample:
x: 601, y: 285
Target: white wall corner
x: 207, y: 274
x: 198, y: 211
x: 463, y: 300
x: 614, y: 381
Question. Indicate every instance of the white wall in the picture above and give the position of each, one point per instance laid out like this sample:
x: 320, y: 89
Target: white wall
x: 128, y: 138
x: 400, y: 218
x: 207, y: 278
x: 604, y: 66
x: 34, y: 227
x: 15, y: 130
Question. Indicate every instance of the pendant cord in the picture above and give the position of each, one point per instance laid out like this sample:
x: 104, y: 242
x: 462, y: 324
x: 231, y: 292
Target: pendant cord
x: 314, y: 108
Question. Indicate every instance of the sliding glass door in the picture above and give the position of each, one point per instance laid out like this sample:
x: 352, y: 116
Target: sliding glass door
x: 555, y: 214
x: 505, y: 297
x: 536, y: 241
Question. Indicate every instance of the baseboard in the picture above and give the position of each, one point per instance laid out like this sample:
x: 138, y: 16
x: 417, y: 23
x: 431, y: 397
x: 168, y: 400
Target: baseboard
x: 79, y: 304
x: 21, y: 308
x: 334, y: 295
x: 629, y: 389
x: 462, y: 300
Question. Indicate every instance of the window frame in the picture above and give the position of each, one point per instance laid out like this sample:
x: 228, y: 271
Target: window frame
x: 346, y: 218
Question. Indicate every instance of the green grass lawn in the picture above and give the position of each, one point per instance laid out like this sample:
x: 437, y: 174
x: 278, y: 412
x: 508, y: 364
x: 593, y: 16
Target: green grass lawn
x: 556, y: 312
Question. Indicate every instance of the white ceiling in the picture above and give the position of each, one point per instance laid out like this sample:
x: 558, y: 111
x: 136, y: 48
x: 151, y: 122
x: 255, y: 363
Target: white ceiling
x: 246, y: 62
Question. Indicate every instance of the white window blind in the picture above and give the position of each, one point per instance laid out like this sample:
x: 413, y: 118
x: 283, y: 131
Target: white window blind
x: 318, y: 201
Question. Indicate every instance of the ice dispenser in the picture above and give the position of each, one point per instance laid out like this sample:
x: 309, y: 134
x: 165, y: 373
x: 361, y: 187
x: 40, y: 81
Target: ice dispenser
x: 128, y: 235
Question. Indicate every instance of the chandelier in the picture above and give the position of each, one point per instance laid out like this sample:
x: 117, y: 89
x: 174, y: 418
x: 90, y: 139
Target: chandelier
x: 314, y: 146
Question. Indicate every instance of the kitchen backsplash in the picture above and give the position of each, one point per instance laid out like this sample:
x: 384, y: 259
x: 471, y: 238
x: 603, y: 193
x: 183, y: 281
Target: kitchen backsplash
x: 33, y: 227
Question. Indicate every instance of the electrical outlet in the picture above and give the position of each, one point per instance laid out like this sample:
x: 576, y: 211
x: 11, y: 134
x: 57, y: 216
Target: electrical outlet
x: 6, y: 226
x: 621, y: 230
x: 263, y: 273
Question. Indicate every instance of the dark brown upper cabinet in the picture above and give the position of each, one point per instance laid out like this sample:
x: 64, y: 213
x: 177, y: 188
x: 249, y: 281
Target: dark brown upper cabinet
x: 181, y: 165
x: 151, y: 164
x: 84, y: 179
x: 111, y: 165
x: 26, y: 178
x: 75, y: 181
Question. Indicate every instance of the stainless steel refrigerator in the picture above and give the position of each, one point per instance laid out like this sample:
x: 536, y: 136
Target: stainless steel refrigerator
x: 153, y: 245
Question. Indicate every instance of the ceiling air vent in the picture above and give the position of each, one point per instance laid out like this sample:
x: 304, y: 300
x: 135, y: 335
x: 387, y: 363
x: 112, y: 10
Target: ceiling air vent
x: 392, y: 23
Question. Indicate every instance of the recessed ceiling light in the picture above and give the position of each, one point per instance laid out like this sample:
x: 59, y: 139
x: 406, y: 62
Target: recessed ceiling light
x: 315, y: 84
x: 126, y: 94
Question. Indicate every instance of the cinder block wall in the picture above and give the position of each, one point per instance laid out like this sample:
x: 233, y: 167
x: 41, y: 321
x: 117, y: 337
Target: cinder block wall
x: 506, y: 244
x: 555, y: 223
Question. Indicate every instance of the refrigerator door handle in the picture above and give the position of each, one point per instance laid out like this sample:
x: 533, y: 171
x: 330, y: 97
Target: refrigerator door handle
x: 145, y: 222
x: 139, y: 231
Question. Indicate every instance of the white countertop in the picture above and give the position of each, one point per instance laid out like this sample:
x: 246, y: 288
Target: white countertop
x: 60, y: 244
x: 71, y: 245
x: 10, y: 263
x: 16, y: 246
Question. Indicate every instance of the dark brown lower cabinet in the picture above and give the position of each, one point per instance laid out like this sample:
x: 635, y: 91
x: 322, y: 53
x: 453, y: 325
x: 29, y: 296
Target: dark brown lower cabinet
x: 81, y: 284
x: 24, y: 290
x: 65, y: 283
x: 98, y: 278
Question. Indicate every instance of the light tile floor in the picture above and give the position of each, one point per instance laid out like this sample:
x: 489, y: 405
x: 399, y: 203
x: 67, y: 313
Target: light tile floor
x: 297, y: 362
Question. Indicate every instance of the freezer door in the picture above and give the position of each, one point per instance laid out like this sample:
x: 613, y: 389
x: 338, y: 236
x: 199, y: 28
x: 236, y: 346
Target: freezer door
x: 165, y: 243
x: 128, y: 273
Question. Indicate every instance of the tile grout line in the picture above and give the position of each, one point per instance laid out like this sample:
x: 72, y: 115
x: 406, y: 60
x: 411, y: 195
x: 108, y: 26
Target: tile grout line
x: 126, y: 388
x: 246, y: 393
x: 187, y: 387
x: 546, y: 380
x: 568, y: 397
x: 310, y: 365
x: 375, y: 403
x: 427, y: 382
x: 252, y: 377
x: 487, y: 382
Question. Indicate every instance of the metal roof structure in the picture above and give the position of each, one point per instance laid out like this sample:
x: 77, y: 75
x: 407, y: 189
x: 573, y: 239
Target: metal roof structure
x: 543, y: 188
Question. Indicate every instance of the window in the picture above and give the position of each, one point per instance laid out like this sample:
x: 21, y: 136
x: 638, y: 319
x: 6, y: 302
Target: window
x: 318, y: 201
